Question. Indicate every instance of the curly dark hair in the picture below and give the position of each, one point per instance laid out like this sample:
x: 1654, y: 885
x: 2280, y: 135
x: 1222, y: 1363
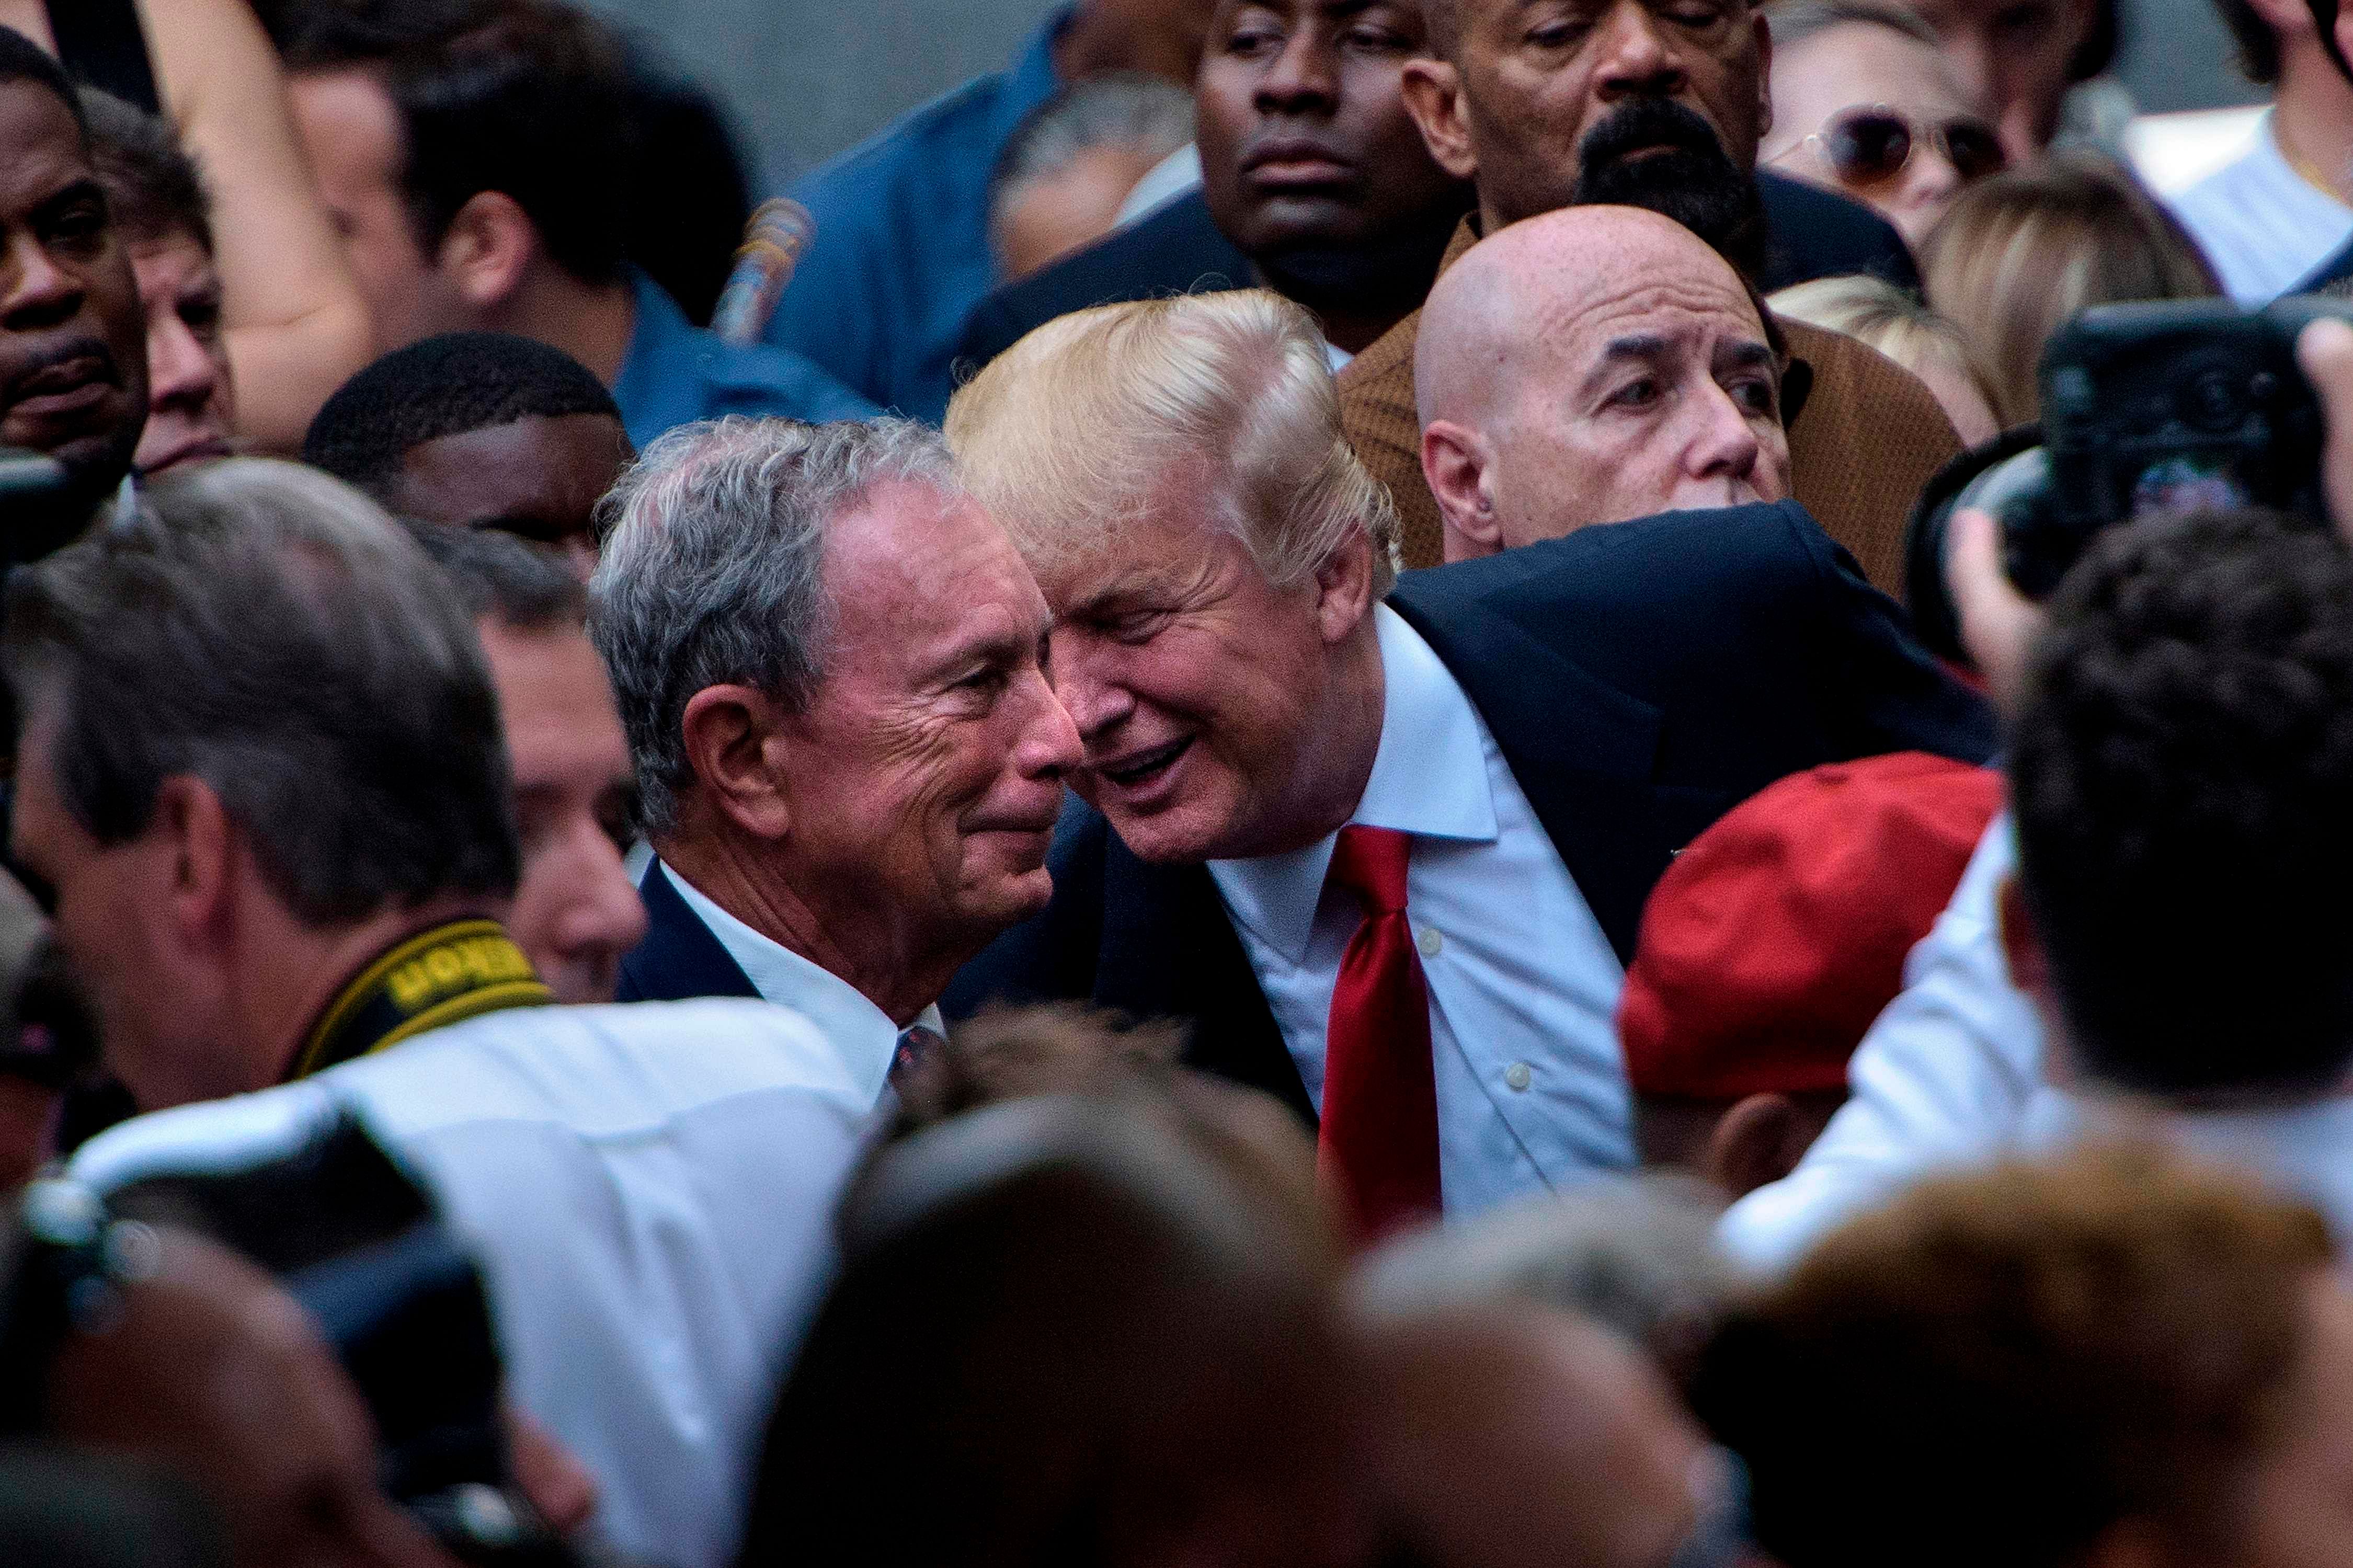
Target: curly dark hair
x: 2001, y: 1366
x: 444, y: 385
x: 2181, y: 771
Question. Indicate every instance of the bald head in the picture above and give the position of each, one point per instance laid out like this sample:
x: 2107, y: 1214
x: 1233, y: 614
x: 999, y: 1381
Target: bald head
x: 1590, y: 365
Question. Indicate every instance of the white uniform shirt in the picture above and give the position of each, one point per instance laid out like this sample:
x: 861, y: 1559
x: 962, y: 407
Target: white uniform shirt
x: 2261, y: 224
x: 650, y: 1192
x: 2303, y: 1151
x: 1522, y: 984
x: 862, y: 1033
x: 1942, y: 1078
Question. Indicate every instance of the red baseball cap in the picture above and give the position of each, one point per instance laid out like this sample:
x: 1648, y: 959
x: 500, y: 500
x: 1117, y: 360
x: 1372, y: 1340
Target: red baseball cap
x: 1776, y: 938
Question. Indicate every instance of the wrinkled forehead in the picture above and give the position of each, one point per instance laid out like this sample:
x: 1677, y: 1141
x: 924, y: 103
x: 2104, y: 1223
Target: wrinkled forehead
x: 1859, y: 64
x: 1676, y: 304
x: 911, y: 557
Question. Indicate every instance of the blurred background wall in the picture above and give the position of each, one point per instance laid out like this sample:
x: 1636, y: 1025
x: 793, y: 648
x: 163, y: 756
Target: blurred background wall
x: 807, y: 78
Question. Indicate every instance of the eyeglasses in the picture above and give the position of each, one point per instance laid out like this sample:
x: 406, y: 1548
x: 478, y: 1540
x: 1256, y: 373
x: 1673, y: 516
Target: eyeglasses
x: 1867, y: 146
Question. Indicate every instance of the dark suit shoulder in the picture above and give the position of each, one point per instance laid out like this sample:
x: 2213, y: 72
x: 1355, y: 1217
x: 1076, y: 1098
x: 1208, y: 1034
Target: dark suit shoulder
x: 1177, y: 249
x: 1050, y: 956
x: 1817, y: 233
x: 1675, y: 560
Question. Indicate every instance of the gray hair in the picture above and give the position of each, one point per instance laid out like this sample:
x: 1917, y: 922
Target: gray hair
x: 267, y: 629
x: 711, y: 572
x: 1123, y: 108
x: 1637, y: 1256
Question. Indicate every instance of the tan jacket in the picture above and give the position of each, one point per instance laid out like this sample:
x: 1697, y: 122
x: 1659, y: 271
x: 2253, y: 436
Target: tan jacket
x: 1865, y: 442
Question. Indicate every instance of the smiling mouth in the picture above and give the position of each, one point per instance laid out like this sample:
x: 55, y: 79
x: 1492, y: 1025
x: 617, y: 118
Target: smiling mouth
x: 1146, y: 766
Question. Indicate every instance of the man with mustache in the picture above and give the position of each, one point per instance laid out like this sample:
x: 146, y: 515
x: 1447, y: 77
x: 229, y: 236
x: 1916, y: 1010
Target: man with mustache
x: 1314, y: 184
x: 829, y: 662
x: 73, y: 354
x: 1553, y: 104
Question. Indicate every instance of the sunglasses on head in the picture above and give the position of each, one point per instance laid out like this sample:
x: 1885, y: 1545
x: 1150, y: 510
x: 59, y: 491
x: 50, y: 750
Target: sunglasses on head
x: 1865, y: 146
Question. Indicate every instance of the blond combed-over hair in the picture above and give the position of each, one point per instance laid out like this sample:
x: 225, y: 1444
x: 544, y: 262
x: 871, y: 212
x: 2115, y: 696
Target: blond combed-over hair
x: 1223, y: 401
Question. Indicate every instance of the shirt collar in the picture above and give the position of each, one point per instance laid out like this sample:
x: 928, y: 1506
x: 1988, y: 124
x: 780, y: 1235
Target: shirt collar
x: 1429, y: 779
x: 863, y: 1034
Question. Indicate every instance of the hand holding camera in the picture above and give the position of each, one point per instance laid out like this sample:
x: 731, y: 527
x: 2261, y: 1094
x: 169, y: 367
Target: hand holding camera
x: 2149, y: 409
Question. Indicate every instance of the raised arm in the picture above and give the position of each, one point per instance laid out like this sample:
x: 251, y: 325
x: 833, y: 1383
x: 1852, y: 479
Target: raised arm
x: 297, y: 327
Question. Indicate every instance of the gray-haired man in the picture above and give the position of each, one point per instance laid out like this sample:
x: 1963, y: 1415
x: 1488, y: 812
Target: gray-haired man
x: 831, y: 663
x: 263, y: 770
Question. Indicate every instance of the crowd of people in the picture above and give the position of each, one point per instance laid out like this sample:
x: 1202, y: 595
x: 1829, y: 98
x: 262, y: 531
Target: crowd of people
x: 1206, y: 815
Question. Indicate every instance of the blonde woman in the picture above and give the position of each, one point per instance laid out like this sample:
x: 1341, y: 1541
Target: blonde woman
x: 1931, y: 346
x: 2023, y: 253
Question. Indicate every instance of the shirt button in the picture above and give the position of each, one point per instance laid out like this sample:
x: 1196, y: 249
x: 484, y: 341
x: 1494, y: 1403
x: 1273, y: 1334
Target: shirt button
x: 1519, y: 1076
x: 1432, y: 944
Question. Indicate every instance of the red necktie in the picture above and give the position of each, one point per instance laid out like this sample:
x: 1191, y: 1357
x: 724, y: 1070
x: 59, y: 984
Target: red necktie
x: 1378, y: 1143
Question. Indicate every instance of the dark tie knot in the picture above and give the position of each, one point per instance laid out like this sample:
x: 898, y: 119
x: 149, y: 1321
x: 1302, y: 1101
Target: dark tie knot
x: 1369, y: 863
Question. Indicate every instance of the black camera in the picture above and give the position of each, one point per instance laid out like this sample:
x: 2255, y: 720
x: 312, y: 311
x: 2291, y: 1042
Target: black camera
x: 2165, y: 407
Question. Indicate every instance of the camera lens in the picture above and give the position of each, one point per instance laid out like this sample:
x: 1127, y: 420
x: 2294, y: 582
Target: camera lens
x: 2211, y: 400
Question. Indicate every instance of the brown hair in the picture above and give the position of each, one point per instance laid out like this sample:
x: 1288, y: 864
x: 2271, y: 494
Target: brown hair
x: 2021, y: 254
x: 2000, y: 1367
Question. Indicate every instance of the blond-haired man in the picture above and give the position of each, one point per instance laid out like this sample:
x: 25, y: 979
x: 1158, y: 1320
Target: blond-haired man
x: 1389, y: 856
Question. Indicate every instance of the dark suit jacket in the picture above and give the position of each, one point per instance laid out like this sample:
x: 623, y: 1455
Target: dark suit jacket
x: 1642, y: 679
x: 679, y: 957
x: 1178, y: 249
x: 1815, y: 233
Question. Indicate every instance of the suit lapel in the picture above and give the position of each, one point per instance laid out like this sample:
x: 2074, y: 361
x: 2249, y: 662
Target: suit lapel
x: 679, y: 958
x: 1582, y: 751
x: 1169, y: 950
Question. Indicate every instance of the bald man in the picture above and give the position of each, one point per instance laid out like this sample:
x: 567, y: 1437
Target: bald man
x: 1595, y: 364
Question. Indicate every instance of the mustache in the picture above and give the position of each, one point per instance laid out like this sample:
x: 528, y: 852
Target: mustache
x: 1650, y: 122
x: 65, y: 353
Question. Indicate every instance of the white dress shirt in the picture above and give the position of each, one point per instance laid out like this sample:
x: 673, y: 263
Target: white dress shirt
x: 1942, y: 1078
x: 2261, y: 224
x: 648, y: 1190
x: 1522, y: 984
x: 862, y: 1033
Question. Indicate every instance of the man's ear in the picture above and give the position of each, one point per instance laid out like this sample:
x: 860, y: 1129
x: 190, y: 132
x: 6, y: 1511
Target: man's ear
x: 489, y: 247
x: 1343, y: 586
x: 200, y: 848
x: 1433, y: 96
x: 733, y: 735
x: 1759, y: 1140
x: 1764, y: 74
x: 1459, y: 465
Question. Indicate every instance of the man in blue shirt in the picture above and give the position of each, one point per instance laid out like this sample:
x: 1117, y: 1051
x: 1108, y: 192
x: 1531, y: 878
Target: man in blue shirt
x: 900, y: 253
x: 476, y: 168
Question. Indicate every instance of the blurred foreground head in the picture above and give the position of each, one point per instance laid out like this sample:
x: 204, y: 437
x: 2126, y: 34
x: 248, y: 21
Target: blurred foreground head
x: 1517, y: 1435
x: 2107, y: 1359
x: 174, y: 1351
x: 2180, y: 767
x: 1064, y: 1333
